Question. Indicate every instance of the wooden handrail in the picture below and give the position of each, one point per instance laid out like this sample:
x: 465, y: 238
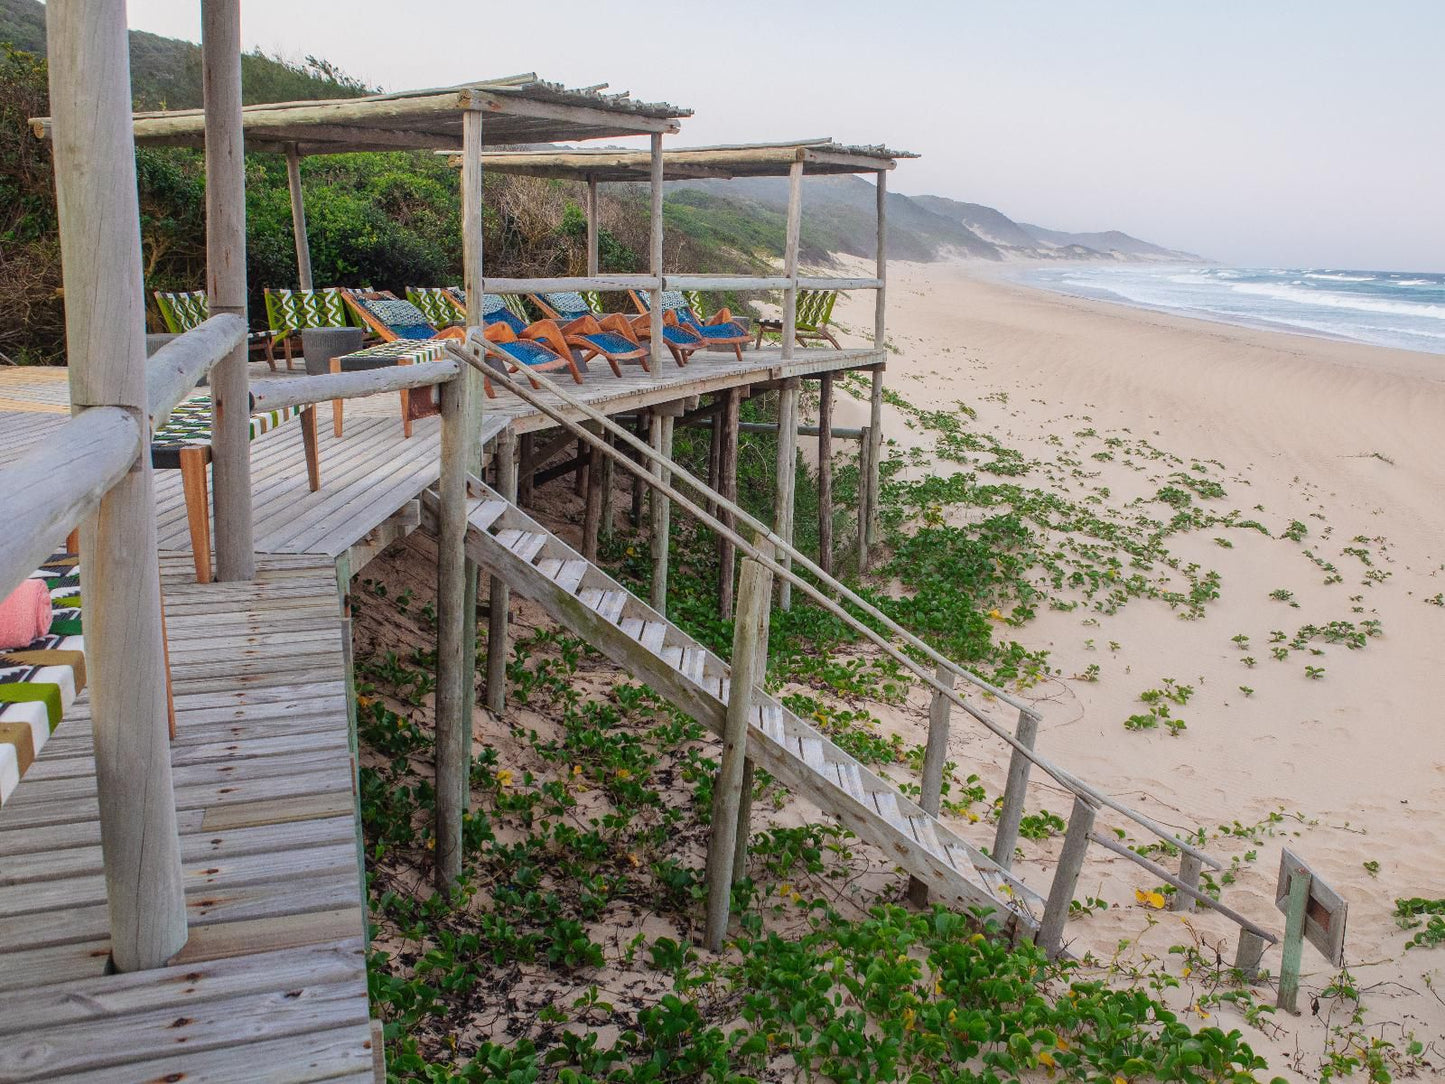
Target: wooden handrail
x: 52, y: 487
x: 611, y: 283
x: 275, y: 393
x: 1065, y: 778
x: 173, y: 371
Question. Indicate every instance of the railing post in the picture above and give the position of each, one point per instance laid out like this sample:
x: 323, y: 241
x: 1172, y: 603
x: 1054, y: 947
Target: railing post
x: 1248, y: 954
x: 865, y: 450
x: 1189, y: 871
x: 825, y: 473
x: 727, y: 432
x: 95, y: 188
x: 1066, y: 877
x: 935, y: 755
x: 592, y: 226
x: 749, y: 639
x: 875, y: 400
x: 298, y: 217
x: 662, y: 421
x: 1006, y: 836
x: 654, y: 260
x: 226, y: 285
x: 501, y: 595
x: 787, y: 466
x: 454, y: 668
x: 1293, y: 945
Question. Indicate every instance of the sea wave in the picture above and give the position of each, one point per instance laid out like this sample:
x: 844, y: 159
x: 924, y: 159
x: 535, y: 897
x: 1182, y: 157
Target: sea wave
x: 1339, y: 300
x: 1331, y: 276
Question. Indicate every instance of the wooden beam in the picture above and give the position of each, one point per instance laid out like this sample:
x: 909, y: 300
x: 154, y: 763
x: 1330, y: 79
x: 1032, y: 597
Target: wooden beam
x: 397, y: 526
x: 454, y: 667
x: 875, y: 398
x: 728, y: 488
x: 661, y: 509
x: 654, y: 261
x: 473, y: 409
x: 1006, y: 835
x: 298, y: 218
x: 273, y: 393
x: 226, y: 285
x: 499, y: 597
x: 825, y: 473
x: 615, y: 283
x: 787, y: 480
x: 592, y: 227
x: 95, y: 188
x: 749, y: 640
x: 173, y: 371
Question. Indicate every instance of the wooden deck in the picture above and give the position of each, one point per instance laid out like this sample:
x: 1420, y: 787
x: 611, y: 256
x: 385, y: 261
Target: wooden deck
x: 272, y: 983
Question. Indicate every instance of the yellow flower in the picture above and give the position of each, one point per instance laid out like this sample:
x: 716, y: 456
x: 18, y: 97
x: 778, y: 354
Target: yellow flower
x: 995, y: 614
x: 1120, y: 1080
x: 908, y: 1019
x: 576, y: 770
x: 1150, y: 899
x: 1202, y: 1012
x: 623, y: 774
x: 504, y: 778
x: 1047, y: 1061
x: 937, y: 987
x: 1187, y: 972
x: 785, y: 889
x: 431, y: 844
x: 363, y: 701
x: 972, y: 818
x: 952, y: 1015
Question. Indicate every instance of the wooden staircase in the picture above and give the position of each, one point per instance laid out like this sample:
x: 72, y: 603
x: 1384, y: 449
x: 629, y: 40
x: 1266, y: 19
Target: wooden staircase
x: 537, y: 564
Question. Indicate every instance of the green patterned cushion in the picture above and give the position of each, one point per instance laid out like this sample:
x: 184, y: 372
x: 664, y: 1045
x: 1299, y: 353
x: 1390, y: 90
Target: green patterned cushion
x: 815, y: 308
x: 190, y: 424
x: 183, y: 311
x: 292, y: 310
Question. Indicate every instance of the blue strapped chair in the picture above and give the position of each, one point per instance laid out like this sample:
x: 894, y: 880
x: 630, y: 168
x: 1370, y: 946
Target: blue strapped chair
x: 721, y: 329
x: 612, y: 337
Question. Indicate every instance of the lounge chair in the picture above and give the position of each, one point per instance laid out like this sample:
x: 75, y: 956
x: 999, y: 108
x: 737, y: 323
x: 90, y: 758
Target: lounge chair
x: 39, y: 682
x: 184, y: 311
x: 290, y: 312
x: 815, y: 312
x: 184, y: 444
x: 613, y: 336
x: 721, y: 329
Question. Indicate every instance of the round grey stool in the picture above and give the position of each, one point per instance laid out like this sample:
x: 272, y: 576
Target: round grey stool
x: 320, y: 344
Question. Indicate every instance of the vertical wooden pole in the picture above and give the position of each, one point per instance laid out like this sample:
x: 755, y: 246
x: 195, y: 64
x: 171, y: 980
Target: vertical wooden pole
x: 728, y: 487
x: 786, y: 487
x: 498, y: 647
x: 1066, y: 878
x: 662, y: 422
x: 654, y: 261
x: 1294, y: 935
x: 473, y: 405
x: 1248, y: 954
x: 226, y: 285
x: 453, y: 709
x: 527, y: 469
x: 935, y: 754
x: 825, y: 473
x: 749, y: 638
x: 875, y: 402
x: 298, y: 218
x: 790, y: 257
x: 607, y: 481
x: 592, y: 508
x: 592, y: 226
x: 1189, y: 870
x: 865, y: 450
x: 714, y: 452
x: 638, y: 487
x: 95, y: 188
x: 1006, y: 836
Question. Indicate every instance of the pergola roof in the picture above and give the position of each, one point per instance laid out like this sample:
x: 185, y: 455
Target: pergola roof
x: 517, y: 109
x: 818, y: 156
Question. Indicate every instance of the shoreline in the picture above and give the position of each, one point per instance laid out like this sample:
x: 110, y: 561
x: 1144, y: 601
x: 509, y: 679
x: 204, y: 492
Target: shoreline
x: 1335, y: 448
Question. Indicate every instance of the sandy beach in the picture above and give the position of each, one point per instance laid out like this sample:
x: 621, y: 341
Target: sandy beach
x: 1345, y: 439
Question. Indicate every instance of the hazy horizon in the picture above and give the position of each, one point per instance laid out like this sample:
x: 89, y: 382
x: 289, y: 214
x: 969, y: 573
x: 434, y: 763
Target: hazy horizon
x: 1289, y: 136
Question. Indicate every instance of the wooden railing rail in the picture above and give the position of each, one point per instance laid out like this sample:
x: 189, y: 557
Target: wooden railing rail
x: 763, y: 553
x: 54, y: 486
x: 742, y: 283
x: 275, y: 393
x: 173, y: 371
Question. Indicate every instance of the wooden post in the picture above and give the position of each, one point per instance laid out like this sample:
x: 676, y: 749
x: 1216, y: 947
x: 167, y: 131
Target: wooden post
x: 654, y: 261
x: 1006, y: 836
x: 714, y: 452
x: 865, y: 449
x: 875, y: 402
x: 662, y: 422
x: 728, y: 487
x: 592, y: 226
x: 498, y: 647
x: 825, y: 473
x: 226, y: 285
x: 95, y: 188
x: 1294, y: 936
x: 1066, y: 877
x: 592, y: 508
x: 787, y: 480
x: 790, y: 257
x: 298, y: 218
x: 935, y: 755
x: 638, y: 487
x: 607, y: 481
x: 1189, y: 870
x: 473, y: 398
x: 527, y: 469
x: 453, y: 709
x: 1248, y: 954
x: 749, y: 638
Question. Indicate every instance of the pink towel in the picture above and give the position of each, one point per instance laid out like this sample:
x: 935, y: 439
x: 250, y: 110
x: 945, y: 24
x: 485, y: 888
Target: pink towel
x: 25, y: 614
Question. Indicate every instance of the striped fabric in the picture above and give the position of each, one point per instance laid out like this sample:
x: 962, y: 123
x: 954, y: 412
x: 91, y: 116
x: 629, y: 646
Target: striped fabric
x: 609, y: 342
x: 183, y: 311
x: 401, y: 352
x: 815, y: 308
x: 39, y: 682
x: 496, y: 310
x: 289, y: 311
x: 526, y: 352
x: 435, y: 302
x: 190, y: 426
x: 569, y: 304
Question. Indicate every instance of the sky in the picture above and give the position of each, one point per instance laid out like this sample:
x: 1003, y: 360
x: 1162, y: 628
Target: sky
x: 1261, y: 134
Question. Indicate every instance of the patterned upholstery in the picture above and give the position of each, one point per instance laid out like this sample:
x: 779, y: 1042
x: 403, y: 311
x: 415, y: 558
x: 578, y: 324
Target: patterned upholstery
x: 527, y: 352
x: 496, y: 310
x: 436, y: 303
x: 39, y: 682
x: 189, y: 426
x: 401, y: 352
x: 815, y: 308
x: 183, y: 311
x: 289, y: 311
x: 569, y: 304
x: 609, y: 342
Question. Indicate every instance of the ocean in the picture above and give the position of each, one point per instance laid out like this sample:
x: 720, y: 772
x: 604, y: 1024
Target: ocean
x: 1403, y: 309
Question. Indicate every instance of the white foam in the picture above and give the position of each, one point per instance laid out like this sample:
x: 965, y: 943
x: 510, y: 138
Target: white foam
x: 1340, y: 301
x: 1333, y: 277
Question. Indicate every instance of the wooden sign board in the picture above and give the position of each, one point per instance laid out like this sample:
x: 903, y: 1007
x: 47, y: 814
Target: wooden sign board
x: 1325, y: 912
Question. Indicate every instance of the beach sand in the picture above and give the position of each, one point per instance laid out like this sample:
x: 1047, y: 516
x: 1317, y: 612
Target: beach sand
x: 1348, y: 440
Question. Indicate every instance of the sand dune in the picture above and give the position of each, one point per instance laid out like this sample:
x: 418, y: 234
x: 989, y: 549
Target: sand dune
x: 1348, y: 440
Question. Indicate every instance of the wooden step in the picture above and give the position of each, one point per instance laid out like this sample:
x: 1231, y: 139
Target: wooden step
x: 529, y: 545
x: 570, y: 576
x: 508, y: 536
x: 924, y: 833
x: 609, y: 605
x: 549, y: 567
x: 812, y: 753
x: 653, y: 634
x: 887, y: 804
x: 487, y: 513
x: 590, y: 597
x: 852, y: 780
x: 632, y: 626
x: 672, y: 655
x: 692, y: 662
x: 772, y: 722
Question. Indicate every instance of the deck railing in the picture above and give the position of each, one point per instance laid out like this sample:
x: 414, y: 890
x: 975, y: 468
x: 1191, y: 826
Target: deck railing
x: 777, y: 555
